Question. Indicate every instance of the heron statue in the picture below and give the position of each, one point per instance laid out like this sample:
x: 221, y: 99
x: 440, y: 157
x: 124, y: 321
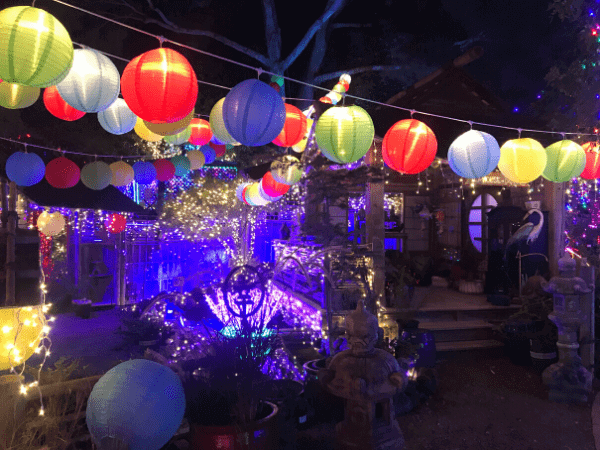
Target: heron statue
x: 527, y: 232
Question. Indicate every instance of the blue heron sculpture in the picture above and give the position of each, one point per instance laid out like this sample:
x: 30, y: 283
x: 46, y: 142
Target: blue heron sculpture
x: 527, y: 232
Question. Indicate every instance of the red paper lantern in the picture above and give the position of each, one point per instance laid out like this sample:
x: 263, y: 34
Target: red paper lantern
x: 62, y: 173
x: 275, y: 86
x: 58, y: 107
x: 201, y: 132
x: 220, y: 149
x: 244, y: 194
x: 160, y: 86
x: 409, y: 146
x: 165, y: 169
x: 294, y: 127
x: 273, y: 188
x: 116, y: 223
x: 592, y: 161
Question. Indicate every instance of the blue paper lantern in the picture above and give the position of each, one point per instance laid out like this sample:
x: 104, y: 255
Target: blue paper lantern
x: 117, y: 118
x: 144, y: 172
x: 25, y: 169
x: 253, y: 113
x: 139, y: 402
x: 209, y: 154
x: 182, y: 165
x: 474, y: 154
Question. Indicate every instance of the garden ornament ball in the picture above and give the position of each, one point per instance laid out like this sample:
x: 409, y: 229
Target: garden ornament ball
x: 474, y: 154
x: 93, y: 82
x: 96, y: 175
x: 522, y: 160
x: 56, y: 106
x: 117, y: 118
x: 25, y: 169
x: 36, y: 48
x: 62, y: 173
x: 409, y: 146
x: 139, y: 403
x: 565, y: 160
x: 273, y: 188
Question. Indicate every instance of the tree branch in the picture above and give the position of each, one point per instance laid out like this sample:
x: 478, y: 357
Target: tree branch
x: 272, y: 30
x: 334, y: 6
x: 351, y: 25
x: 330, y: 76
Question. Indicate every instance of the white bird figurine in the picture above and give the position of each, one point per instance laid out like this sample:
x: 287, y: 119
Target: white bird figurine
x: 527, y: 232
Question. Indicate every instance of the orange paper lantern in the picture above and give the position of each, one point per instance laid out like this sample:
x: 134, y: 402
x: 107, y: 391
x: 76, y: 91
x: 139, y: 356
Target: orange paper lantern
x: 409, y: 146
x: 592, y: 160
x: 294, y: 127
x: 201, y: 132
x: 160, y: 86
x: 58, y: 107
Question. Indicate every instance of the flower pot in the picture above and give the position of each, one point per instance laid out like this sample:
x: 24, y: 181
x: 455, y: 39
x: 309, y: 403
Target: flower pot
x: 260, y: 435
x: 516, y: 340
x: 83, y: 308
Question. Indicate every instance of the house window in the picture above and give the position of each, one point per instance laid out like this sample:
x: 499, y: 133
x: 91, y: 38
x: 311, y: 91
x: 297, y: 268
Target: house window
x: 478, y: 219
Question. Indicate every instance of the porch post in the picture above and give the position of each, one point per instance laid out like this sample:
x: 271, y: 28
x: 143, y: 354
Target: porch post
x: 375, y: 221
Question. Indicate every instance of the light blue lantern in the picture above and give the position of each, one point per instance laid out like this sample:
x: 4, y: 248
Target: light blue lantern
x: 474, y: 154
x: 182, y: 165
x: 209, y: 154
x: 25, y: 169
x: 92, y: 84
x: 253, y: 113
x: 117, y: 118
x: 144, y: 172
x: 138, y: 403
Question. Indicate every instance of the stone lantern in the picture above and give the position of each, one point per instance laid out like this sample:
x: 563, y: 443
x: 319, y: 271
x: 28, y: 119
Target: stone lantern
x: 568, y: 379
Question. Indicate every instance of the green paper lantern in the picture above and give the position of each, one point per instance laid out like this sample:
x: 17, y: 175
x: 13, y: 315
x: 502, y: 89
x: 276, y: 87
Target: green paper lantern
x: 36, y: 48
x: 179, y: 138
x: 344, y: 133
x: 217, y: 124
x: 17, y: 96
x: 565, y: 160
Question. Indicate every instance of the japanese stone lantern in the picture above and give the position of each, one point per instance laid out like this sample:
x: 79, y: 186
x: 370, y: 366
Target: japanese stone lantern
x: 567, y: 379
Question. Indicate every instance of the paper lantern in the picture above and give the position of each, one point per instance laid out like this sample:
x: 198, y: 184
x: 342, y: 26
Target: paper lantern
x: 62, y: 173
x: 122, y: 173
x: 217, y: 123
x: 93, y: 82
x: 474, y: 154
x: 287, y: 170
x: 25, y: 169
x: 143, y: 132
x: 565, y: 160
x: 37, y: 49
x: 169, y: 129
x: 294, y: 128
x: 253, y: 113
x: 301, y: 146
x: 182, y: 165
x: 196, y: 158
x: 409, y: 146
x: 201, y: 132
x: 58, y: 107
x: 96, y: 175
x: 17, y: 96
x: 266, y: 197
x: 522, y: 160
x: 592, y: 160
x: 117, y: 118
x: 179, y: 138
x: 116, y: 223
x: 344, y: 133
x: 209, y: 154
x: 239, y: 191
x: 21, y: 330
x: 160, y: 86
x: 144, y: 172
x: 253, y: 197
x: 220, y: 149
x: 138, y: 402
x: 273, y: 188
x: 50, y: 224
x: 165, y: 170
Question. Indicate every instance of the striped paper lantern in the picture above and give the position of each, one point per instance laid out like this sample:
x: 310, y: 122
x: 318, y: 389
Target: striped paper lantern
x: 473, y: 154
x: 409, y: 146
x: 117, y: 118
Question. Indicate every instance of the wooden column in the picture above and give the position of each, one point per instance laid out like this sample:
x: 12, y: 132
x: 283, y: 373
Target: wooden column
x: 554, y: 203
x: 10, y: 245
x: 375, y: 226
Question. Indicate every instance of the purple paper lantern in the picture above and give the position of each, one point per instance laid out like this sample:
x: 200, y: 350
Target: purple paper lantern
x: 144, y: 172
x: 209, y: 154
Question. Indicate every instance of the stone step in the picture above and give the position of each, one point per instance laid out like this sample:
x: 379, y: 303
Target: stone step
x: 464, y: 330
x: 467, y: 345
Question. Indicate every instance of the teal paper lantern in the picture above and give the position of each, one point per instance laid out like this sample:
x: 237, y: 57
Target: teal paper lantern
x: 253, y: 113
x: 25, y: 169
x: 96, y: 175
x: 144, y: 172
x: 344, y: 133
x: 138, y: 404
x: 117, y: 118
x: 179, y: 138
x: 473, y: 154
x: 565, y: 160
x: 182, y: 165
x: 93, y: 82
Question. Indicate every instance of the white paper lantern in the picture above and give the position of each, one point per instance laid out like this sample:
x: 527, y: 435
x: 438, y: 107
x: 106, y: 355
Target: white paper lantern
x: 50, y: 224
x: 117, y: 118
x: 93, y: 82
x: 474, y: 154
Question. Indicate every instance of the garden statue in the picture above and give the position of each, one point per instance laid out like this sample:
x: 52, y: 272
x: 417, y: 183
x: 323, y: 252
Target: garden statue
x: 367, y: 378
x: 567, y: 379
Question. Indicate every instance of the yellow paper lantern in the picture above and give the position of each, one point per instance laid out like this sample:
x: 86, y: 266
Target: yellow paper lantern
x: 122, y: 173
x: 217, y: 124
x: 301, y: 146
x: 522, y: 160
x: 36, y: 48
x: 21, y: 330
x: 17, y: 96
x: 169, y: 129
x: 143, y: 132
